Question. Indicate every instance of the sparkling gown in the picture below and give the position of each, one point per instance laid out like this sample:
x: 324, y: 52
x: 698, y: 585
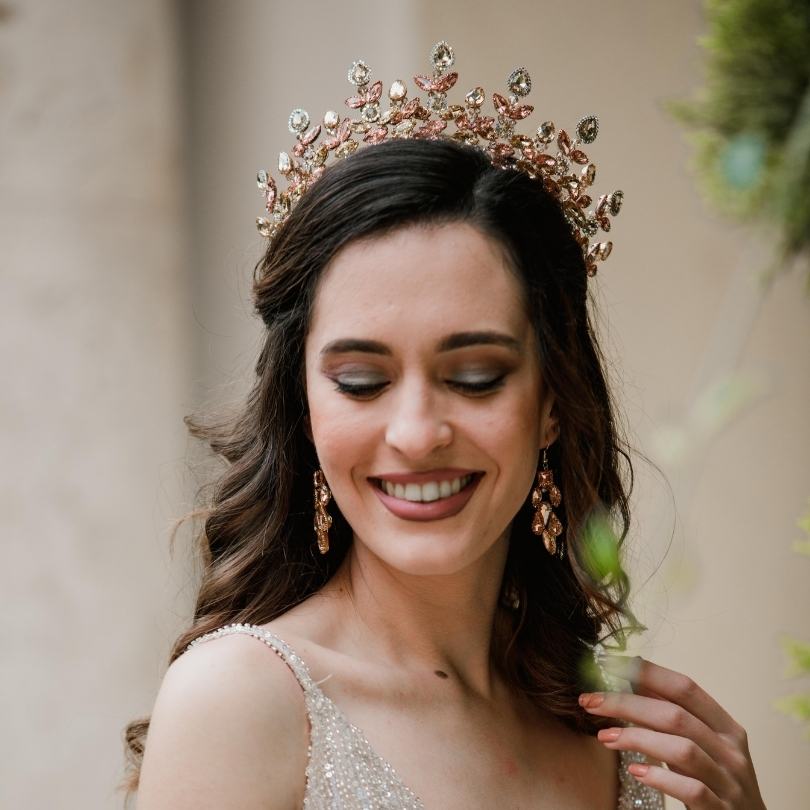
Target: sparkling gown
x: 343, y: 770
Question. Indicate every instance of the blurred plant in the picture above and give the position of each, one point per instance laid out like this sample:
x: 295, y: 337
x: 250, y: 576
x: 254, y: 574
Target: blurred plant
x: 752, y: 119
x: 798, y: 653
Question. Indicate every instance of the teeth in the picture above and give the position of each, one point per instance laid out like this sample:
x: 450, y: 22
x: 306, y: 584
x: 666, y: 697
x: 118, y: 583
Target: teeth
x: 427, y: 492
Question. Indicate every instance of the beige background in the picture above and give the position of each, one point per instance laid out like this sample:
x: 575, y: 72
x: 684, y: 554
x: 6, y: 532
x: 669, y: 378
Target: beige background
x: 130, y: 134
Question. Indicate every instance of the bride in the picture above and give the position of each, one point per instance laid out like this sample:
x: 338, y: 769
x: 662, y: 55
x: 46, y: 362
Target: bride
x: 430, y: 396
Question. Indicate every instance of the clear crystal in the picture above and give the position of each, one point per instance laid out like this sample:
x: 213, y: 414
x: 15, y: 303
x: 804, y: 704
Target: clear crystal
x: 261, y: 179
x: 370, y: 113
x: 442, y: 56
x: 546, y: 132
x: 398, y: 90
x: 437, y: 101
x: 298, y: 120
x: 591, y: 226
x: 359, y: 73
x: 475, y: 98
x: 284, y: 163
x: 588, y: 128
x: 520, y: 83
x: 265, y: 226
x: 615, y: 202
x: 331, y: 119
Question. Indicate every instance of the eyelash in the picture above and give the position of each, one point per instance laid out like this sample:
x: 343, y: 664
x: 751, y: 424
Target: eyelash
x: 368, y: 391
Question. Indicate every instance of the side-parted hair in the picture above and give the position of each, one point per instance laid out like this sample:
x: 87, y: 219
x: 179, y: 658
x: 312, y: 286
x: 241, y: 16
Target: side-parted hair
x: 256, y: 546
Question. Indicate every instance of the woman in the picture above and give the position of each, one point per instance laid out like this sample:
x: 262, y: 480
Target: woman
x: 430, y: 381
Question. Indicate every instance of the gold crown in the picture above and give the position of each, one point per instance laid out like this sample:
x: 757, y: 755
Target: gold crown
x: 568, y: 174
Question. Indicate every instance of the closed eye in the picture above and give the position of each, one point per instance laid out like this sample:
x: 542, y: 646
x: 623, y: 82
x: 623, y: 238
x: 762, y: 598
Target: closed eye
x: 478, y: 386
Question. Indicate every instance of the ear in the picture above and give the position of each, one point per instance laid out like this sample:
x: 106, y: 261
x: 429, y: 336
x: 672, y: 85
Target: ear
x: 549, y: 423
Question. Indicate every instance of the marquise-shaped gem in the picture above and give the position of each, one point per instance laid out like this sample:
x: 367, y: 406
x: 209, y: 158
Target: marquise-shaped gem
x: 588, y: 174
x: 553, y: 525
x: 604, y: 223
x: 578, y: 156
x: 604, y: 249
x: 554, y: 495
x: 537, y: 524
x: 615, y: 203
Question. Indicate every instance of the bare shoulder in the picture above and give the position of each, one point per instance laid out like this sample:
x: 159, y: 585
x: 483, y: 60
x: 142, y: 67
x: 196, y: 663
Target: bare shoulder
x: 229, y: 730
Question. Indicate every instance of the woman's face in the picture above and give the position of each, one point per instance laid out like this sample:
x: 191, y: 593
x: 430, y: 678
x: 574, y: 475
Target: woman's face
x: 424, y: 393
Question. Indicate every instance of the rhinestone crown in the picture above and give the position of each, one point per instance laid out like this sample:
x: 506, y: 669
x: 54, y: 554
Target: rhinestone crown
x: 567, y: 173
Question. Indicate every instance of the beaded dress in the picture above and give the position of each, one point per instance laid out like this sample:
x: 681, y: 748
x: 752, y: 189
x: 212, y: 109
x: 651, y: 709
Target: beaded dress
x: 343, y: 770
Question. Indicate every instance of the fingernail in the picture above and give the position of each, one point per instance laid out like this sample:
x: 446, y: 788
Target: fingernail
x: 609, y: 734
x: 590, y: 700
x: 638, y: 768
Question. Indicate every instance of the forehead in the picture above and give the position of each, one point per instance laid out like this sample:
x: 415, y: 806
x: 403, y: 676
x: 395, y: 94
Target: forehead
x: 433, y: 279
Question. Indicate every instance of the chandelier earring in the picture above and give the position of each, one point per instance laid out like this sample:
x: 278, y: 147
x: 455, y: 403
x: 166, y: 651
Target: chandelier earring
x: 323, y: 520
x: 546, y: 496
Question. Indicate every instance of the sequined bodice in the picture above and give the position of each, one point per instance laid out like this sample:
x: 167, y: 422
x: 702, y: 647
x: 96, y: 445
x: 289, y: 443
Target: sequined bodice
x: 343, y: 770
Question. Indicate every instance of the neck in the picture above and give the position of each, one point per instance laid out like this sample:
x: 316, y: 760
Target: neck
x: 438, y: 622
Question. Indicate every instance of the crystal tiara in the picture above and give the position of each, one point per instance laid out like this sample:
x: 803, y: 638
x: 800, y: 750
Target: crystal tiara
x: 567, y: 173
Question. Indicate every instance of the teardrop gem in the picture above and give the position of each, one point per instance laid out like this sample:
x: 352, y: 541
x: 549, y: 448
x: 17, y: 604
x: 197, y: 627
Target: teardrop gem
x: 553, y: 525
x: 546, y: 131
x: 359, y: 73
x: 442, y: 56
x: 537, y: 524
x: 398, y: 90
x: 475, y: 98
x: 284, y: 163
x: 588, y: 129
x: 519, y: 82
x: 550, y: 542
x: 331, y: 120
x: 298, y: 120
x: 261, y: 179
x: 264, y: 226
x: 588, y: 174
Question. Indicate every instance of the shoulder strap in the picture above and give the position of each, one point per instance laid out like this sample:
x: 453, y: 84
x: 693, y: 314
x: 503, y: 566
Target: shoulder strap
x: 284, y: 651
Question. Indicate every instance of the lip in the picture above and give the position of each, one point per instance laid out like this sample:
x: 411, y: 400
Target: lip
x: 444, y: 474
x: 434, y: 510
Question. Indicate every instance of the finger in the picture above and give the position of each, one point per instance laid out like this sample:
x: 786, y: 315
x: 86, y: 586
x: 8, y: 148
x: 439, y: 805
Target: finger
x: 681, y: 754
x: 658, y: 715
x: 695, y: 794
x: 681, y: 689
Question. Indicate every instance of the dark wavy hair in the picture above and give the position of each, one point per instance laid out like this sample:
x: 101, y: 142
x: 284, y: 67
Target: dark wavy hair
x: 258, y: 555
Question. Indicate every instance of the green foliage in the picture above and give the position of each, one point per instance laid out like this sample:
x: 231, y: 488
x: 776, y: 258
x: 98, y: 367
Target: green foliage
x: 751, y: 122
x: 798, y: 653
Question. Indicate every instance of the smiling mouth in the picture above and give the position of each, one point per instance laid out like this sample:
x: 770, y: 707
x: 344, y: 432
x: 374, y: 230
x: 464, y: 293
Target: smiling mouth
x: 428, y: 491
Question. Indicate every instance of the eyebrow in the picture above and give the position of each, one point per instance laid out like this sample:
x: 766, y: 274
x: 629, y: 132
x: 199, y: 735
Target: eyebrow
x: 458, y: 340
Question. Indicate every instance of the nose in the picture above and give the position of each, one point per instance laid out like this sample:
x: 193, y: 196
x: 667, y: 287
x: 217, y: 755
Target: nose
x: 417, y: 426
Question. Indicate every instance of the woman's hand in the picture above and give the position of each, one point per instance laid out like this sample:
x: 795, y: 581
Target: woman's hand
x: 677, y: 723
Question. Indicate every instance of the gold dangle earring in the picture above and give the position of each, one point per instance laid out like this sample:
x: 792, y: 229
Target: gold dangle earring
x: 545, y: 522
x: 323, y: 520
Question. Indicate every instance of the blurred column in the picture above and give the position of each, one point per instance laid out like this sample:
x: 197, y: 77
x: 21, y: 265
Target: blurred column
x: 94, y: 343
